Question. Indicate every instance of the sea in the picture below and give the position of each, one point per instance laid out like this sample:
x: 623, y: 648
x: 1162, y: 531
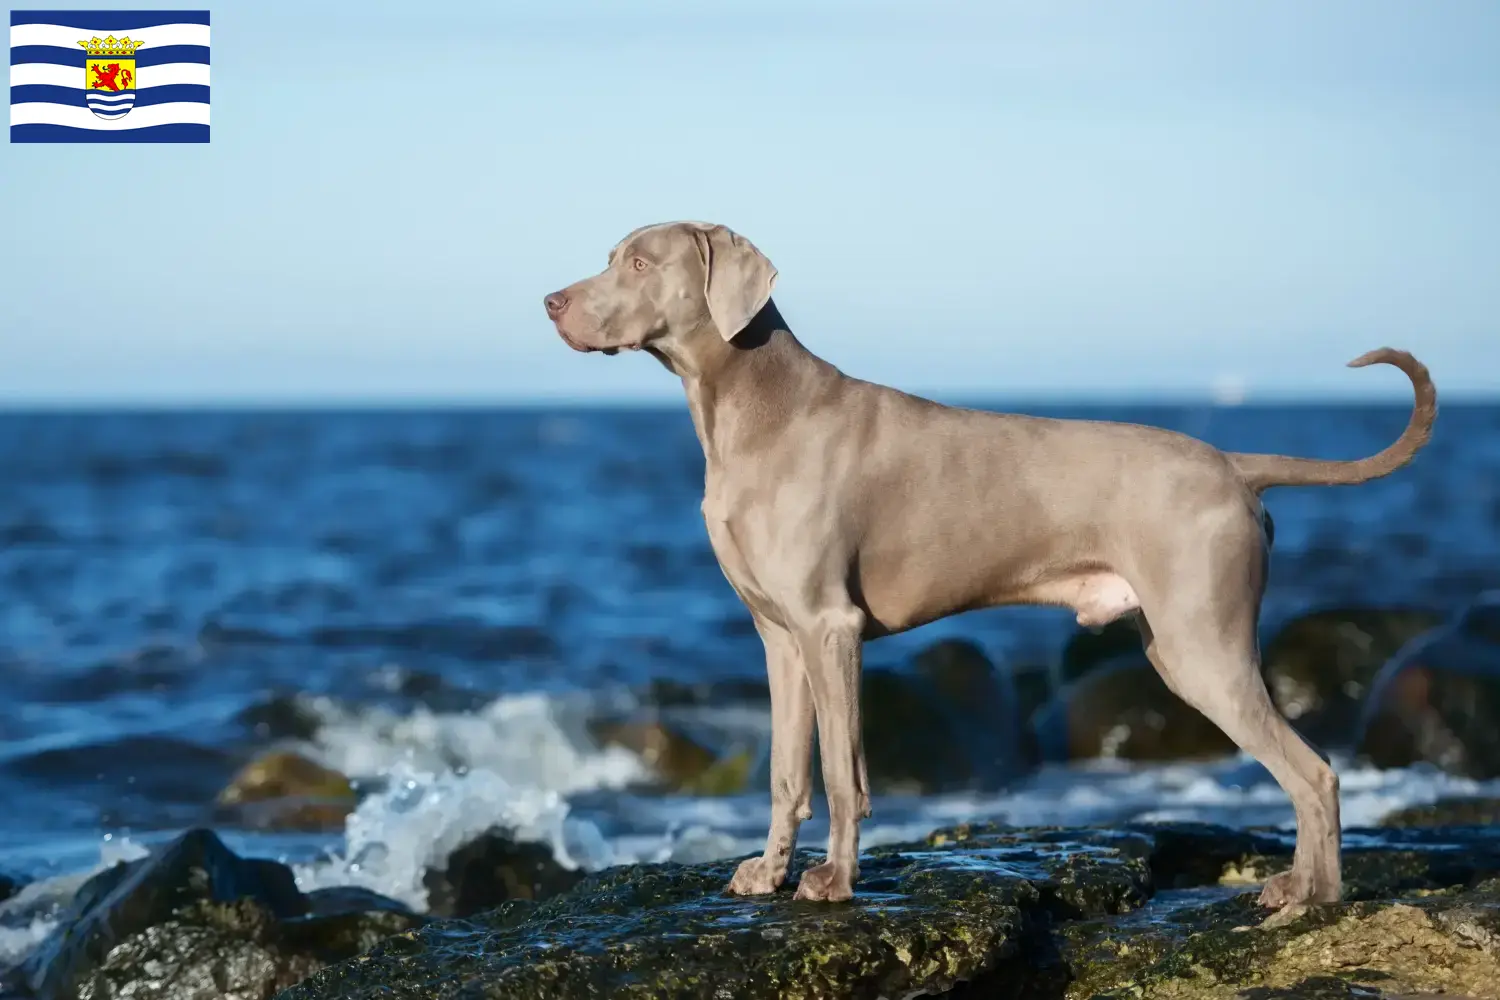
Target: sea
x: 447, y: 597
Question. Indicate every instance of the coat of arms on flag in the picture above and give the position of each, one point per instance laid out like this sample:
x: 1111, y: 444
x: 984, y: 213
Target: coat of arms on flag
x: 109, y: 76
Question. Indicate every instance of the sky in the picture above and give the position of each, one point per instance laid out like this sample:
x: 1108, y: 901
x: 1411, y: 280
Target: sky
x: 994, y: 200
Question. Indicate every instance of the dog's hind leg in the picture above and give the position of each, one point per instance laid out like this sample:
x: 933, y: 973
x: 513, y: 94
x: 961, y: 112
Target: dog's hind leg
x: 1205, y: 649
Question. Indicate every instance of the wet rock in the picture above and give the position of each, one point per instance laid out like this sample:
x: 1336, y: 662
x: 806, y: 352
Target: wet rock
x: 668, y: 693
x: 1156, y: 912
x: 286, y: 791
x: 912, y: 743
x: 1123, y: 710
x: 949, y: 723
x: 280, y: 717
x: 1319, y: 667
x: 9, y: 886
x: 1032, y: 684
x: 1090, y: 648
x: 1438, y: 699
x: 494, y: 868
x: 682, y: 763
x: 194, y: 921
x: 1447, y: 812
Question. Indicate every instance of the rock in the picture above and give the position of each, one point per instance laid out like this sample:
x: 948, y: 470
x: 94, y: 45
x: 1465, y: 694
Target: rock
x: 194, y: 921
x: 286, y: 791
x: 280, y: 717
x: 948, y: 724
x: 1032, y: 684
x: 1123, y: 710
x: 667, y: 693
x: 681, y: 762
x: 1090, y: 648
x: 1438, y: 699
x: 1155, y: 912
x: 9, y: 886
x: 1319, y: 667
x: 491, y: 869
x: 1447, y: 812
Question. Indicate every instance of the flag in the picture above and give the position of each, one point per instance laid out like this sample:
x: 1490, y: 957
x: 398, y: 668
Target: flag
x: 109, y: 76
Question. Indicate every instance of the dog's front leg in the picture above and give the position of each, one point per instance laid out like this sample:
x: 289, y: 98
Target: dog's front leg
x: 791, y: 762
x: 831, y: 650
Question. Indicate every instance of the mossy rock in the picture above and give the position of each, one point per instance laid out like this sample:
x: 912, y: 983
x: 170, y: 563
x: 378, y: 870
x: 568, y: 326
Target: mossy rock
x: 1319, y: 667
x: 1455, y: 811
x: 282, y: 790
x: 1123, y: 710
x: 1149, y: 911
x: 193, y: 921
x: 1438, y: 701
x: 1087, y: 649
x: 491, y: 869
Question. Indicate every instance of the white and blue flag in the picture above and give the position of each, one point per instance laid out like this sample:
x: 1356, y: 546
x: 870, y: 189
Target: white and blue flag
x: 109, y: 76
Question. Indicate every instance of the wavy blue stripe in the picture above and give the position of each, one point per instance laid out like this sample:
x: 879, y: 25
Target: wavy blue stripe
x: 56, y: 56
x: 108, y: 20
x: 191, y: 93
x: 180, y: 132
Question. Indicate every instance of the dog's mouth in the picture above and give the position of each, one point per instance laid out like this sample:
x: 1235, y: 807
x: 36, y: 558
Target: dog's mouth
x: 583, y: 348
x: 576, y: 345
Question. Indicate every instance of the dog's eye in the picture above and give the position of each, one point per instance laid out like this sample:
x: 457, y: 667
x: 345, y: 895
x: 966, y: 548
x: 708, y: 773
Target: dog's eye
x: 638, y: 263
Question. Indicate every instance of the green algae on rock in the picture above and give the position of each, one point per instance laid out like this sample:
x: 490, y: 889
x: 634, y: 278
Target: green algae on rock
x: 193, y: 921
x: 1147, y: 911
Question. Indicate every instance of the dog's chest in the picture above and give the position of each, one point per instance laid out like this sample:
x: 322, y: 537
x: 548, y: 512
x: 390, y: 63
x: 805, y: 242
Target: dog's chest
x: 734, y: 561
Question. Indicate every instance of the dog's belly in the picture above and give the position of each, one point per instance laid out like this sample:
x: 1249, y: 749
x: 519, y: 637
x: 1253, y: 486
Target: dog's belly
x: 1097, y: 597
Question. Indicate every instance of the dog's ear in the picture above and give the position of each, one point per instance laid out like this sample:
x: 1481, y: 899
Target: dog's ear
x: 737, y: 278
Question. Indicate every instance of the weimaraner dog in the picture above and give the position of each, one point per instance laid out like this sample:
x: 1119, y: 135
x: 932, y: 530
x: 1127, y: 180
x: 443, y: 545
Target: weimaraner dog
x: 841, y: 510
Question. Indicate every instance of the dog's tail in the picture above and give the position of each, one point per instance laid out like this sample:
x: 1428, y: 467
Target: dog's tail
x: 1263, y: 471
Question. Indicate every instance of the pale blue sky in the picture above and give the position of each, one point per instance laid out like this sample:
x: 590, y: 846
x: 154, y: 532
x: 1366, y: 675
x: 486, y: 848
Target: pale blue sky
x: 985, y: 198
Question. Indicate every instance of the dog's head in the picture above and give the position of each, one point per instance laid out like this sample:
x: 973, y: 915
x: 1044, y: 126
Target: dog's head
x: 665, y: 286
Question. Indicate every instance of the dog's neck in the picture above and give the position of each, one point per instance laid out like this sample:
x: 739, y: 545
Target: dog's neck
x: 735, y: 389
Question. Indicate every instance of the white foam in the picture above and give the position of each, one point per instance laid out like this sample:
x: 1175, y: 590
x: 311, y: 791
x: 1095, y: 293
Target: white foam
x: 533, y: 741
x: 31, y: 914
x: 396, y: 836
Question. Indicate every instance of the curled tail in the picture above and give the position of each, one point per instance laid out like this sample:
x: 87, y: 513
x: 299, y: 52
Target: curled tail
x: 1263, y: 471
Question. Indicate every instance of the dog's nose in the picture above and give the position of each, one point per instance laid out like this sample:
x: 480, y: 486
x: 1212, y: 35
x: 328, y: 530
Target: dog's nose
x: 556, y: 303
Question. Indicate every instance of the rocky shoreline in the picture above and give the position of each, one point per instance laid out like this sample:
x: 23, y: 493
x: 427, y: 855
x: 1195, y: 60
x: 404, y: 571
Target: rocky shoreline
x: 1140, y: 911
x: 1144, y: 911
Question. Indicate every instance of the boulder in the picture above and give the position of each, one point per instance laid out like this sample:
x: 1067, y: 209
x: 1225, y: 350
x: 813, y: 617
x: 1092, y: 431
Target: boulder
x: 1455, y: 811
x: 949, y: 723
x: 1438, y: 700
x: 491, y: 869
x: 1123, y: 710
x: 282, y: 790
x: 194, y: 921
x: 1090, y: 648
x: 1149, y: 911
x: 1319, y: 667
x: 682, y: 763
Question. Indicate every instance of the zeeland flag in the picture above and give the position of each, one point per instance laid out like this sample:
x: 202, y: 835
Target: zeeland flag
x: 109, y: 76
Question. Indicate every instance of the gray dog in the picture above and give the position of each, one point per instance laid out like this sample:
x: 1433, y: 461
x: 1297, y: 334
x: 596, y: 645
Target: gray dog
x: 842, y: 511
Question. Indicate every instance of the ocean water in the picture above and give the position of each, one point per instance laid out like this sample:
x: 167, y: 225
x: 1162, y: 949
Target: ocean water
x: 449, y: 597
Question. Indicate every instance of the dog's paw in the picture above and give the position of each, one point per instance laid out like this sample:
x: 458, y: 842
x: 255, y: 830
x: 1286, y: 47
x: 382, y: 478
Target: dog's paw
x: 1292, y: 890
x: 826, y: 883
x: 756, y: 877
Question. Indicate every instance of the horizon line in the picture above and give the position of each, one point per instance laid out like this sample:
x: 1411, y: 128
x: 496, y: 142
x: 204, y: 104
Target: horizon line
x: 989, y: 400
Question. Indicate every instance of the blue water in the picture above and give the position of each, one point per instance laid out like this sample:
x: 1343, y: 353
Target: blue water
x: 161, y: 573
